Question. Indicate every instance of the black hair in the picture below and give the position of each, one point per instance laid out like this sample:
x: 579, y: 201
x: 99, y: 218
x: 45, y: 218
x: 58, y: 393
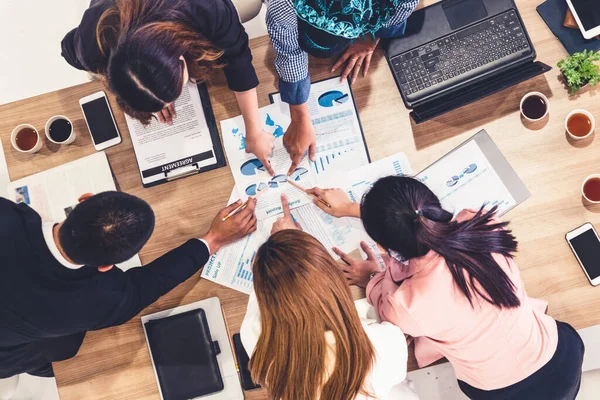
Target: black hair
x: 404, y: 215
x: 106, y: 229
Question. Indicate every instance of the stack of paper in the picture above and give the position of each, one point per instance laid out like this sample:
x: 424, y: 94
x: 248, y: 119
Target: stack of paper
x: 249, y: 174
x: 340, y: 141
x: 232, y: 265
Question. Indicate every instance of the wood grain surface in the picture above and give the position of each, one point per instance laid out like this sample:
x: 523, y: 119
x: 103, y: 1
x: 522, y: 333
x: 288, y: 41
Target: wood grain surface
x: 114, y: 363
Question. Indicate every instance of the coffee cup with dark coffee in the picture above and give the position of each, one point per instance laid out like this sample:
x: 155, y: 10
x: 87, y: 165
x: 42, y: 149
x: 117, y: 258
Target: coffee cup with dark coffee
x: 59, y: 130
x: 26, y: 139
x: 534, y: 106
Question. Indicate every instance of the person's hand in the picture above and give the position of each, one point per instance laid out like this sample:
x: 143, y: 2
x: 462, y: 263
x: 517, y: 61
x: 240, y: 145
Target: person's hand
x: 222, y: 233
x: 341, y: 205
x: 167, y: 114
x: 300, y: 137
x: 358, y: 272
x: 357, y: 55
x: 286, y: 222
x: 260, y: 143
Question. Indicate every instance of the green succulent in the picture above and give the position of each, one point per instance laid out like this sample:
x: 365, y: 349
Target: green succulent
x: 579, y: 70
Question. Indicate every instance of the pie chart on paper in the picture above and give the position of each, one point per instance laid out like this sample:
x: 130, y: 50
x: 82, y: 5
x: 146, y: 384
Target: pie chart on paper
x: 333, y: 98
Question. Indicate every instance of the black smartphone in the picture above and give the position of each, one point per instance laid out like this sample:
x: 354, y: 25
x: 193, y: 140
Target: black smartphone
x: 242, y: 361
x: 585, y: 243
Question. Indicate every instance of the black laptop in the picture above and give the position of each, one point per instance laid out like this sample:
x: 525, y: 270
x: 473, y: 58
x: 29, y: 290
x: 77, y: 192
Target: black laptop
x: 458, y: 51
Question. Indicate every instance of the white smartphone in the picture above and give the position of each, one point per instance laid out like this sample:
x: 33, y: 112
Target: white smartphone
x: 585, y: 243
x: 587, y: 15
x: 100, y: 120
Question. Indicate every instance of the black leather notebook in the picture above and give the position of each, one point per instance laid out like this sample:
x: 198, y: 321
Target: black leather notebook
x: 184, y: 355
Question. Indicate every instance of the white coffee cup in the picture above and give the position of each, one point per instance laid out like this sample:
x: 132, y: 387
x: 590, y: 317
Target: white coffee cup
x: 587, y: 114
x: 72, y: 135
x: 17, y: 130
x: 538, y: 94
x: 586, y: 180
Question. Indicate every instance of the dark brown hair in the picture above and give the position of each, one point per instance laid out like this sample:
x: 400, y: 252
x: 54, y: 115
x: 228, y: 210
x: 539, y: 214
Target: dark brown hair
x: 143, y: 41
x: 302, y: 294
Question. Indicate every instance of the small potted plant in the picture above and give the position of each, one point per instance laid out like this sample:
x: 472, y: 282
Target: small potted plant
x: 579, y: 70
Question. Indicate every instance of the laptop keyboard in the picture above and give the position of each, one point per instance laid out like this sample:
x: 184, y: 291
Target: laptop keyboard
x: 461, y: 53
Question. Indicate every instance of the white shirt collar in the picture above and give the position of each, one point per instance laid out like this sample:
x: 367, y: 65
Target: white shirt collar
x: 48, y: 231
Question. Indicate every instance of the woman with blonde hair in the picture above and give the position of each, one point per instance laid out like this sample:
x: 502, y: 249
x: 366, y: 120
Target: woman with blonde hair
x: 303, y: 331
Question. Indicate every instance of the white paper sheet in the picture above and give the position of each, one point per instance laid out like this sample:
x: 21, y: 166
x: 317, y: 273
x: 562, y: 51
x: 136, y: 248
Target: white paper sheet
x: 232, y: 265
x: 466, y: 179
x: 54, y: 193
x: 4, y: 177
x: 359, y: 180
x: 340, y: 143
x: 250, y: 175
x: 161, y: 148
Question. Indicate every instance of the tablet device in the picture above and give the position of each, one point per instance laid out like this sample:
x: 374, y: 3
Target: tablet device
x: 587, y: 15
x: 243, y: 360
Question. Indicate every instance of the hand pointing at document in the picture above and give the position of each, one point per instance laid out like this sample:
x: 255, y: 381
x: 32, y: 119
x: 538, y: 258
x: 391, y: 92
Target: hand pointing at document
x: 287, y: 221
x: 300, y: 136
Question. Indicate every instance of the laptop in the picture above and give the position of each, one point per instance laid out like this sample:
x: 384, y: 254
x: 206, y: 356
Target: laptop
x: 458, y: 51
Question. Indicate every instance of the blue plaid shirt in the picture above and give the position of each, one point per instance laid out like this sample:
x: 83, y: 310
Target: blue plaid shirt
x: 291, y: 62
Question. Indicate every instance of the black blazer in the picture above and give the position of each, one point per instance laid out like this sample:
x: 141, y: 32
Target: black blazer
x: 216, y: 20
x: 46, y: 308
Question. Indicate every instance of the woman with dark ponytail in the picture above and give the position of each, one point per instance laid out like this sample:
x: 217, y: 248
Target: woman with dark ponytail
x: 147, y: 50
x: 452, y: 284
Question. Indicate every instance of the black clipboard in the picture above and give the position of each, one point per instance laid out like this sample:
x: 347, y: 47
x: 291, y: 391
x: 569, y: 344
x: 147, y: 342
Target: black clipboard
x: 362, y: 132
x: 195, y: 159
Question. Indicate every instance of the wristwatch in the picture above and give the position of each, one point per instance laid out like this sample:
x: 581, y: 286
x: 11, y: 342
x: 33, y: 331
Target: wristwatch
x: 372, y: 274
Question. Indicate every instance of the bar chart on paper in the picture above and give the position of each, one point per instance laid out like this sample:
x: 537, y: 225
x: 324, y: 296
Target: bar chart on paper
x: 340, y: 160
x: 244, y: 278
x: 396, y: 165
x: 466, y: 179
x: 232, y: 265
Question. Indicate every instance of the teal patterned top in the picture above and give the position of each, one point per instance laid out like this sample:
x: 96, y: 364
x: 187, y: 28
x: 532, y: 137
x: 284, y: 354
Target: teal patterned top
x: 347, y: 18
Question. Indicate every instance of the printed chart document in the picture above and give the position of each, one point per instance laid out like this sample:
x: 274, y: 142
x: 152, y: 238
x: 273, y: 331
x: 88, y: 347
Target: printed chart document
x: 54, y: 193
x: 340, y: 140
x: 4, y: 177
x: 465, y: 178
x: 232, y: 265
x: 250, y: 175
x: 358, y: 181
x: 191, y: 145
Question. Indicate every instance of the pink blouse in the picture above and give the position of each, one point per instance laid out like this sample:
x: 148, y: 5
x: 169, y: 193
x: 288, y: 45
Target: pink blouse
x: 489, y: 348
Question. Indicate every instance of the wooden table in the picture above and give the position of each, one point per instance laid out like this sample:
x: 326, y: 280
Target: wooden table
x: 114, y: 363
